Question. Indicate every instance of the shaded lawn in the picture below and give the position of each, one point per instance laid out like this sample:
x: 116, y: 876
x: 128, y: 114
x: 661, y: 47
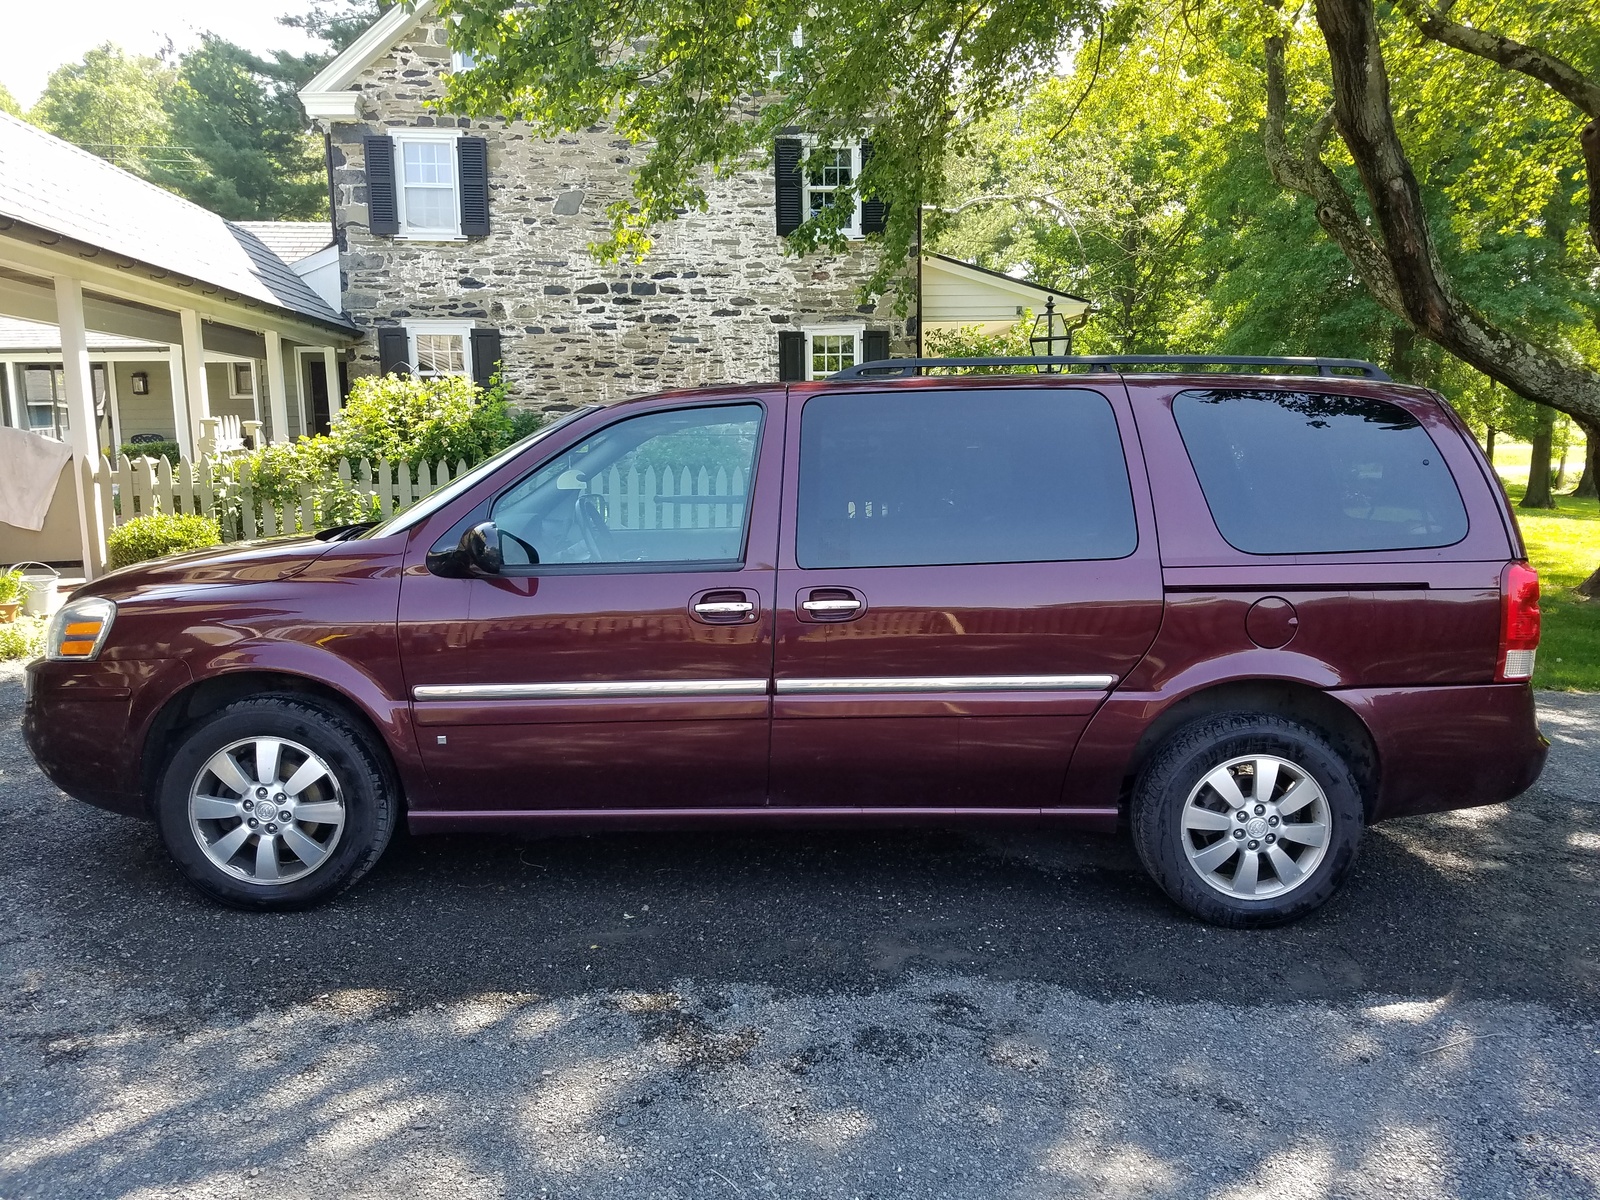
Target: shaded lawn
x: 1564, y: 544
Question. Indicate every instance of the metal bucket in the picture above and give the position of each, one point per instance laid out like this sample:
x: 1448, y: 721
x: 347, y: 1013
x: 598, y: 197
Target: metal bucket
x: 38, y: 588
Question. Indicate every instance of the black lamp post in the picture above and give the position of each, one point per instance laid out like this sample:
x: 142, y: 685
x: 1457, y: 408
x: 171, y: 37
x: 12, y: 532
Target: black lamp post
x: 1050, y: 329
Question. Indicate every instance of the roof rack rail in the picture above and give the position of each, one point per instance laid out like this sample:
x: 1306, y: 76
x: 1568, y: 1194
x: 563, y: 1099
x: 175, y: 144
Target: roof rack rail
x: 900, y: 368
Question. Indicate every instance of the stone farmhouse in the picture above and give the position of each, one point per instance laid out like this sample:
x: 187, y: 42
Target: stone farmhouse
x: 463, y: 244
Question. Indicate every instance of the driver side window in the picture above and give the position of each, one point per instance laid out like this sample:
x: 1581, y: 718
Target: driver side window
x: 658, y: 488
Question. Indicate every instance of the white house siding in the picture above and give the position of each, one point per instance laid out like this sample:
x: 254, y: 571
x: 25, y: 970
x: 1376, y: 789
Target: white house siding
x: 706, y: 305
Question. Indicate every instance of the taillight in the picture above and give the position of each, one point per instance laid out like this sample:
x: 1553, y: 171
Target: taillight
x: 1519, y: 622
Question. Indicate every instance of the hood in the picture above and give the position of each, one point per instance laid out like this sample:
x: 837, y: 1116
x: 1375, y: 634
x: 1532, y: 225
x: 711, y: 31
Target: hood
x: 238, y: 562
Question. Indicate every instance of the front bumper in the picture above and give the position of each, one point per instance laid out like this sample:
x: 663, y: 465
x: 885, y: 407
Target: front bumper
x: 85, y: 723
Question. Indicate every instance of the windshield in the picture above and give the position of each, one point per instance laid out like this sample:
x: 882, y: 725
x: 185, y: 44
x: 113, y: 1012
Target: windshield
x: 431, y: 504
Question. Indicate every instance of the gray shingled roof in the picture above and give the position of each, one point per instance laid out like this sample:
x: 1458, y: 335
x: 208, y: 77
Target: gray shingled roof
x: 17, y: 334
x: 55, y: 186
x: 291, y: 240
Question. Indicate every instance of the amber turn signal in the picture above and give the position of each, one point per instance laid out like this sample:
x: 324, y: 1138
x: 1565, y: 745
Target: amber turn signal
x: 80, y: 628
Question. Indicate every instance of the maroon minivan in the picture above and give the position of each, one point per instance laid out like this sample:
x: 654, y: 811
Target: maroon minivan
x: 1245, y: 614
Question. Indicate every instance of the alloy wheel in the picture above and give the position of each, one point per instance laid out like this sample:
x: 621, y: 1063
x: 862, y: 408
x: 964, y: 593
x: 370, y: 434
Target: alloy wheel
x: 1256, y: 827
x: 266, y: 810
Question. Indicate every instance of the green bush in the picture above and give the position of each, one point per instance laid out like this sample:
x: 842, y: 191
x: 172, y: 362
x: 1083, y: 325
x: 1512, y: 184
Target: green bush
x: 166, y: 450
x: 11, y: 587
x: 160, y: 534
x: 422, y: 420
x: 22, y: 638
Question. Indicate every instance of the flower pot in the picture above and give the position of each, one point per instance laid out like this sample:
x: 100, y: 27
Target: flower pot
x: 9, y: 610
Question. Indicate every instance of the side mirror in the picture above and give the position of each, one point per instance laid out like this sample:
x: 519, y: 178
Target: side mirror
x: 477, y: 553
x: 480, y: 546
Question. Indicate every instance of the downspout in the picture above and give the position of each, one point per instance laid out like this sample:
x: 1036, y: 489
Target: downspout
x: 333, y: 195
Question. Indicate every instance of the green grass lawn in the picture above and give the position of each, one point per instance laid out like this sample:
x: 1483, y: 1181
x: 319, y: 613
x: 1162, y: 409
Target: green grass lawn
x: 1564, y: 544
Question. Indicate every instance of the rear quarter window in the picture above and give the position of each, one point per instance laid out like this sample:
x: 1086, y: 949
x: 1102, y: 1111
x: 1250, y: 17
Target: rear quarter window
x: 1313, y: 473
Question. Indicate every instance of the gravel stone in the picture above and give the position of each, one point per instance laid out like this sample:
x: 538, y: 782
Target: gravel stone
x: 912, y: 1014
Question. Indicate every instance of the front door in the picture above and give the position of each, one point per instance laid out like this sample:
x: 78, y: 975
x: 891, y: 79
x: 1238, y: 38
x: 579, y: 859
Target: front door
x: 622, y: 657
x: 968, y: 572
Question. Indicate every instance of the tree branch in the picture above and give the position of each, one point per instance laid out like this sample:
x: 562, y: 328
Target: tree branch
x: 1549, y: 69
x: 1308, y: 175
x: 1366, y: 123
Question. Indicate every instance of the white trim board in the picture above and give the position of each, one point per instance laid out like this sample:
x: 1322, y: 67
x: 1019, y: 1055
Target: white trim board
x: 379, y: 37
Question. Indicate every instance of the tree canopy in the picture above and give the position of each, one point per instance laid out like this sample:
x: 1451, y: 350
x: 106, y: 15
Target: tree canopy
x: 1235, y: 171
x: 112, y: 103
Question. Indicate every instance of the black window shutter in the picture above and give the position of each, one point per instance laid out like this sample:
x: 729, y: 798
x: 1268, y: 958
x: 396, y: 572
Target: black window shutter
x: 394, y: 351
x: 485, y: 355
x: 472, y: 159
x: 874, y: 213
x: 786, y: 156
x: 791, y: 355
x: 383, y: 213
x: 876, y: 345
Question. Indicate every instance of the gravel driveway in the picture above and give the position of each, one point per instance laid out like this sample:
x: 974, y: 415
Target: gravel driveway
x: 893, y: 1015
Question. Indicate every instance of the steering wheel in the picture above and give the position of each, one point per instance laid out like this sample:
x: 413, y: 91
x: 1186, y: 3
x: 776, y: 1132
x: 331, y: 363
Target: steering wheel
x: 533, y: 555
x: 591, y: 511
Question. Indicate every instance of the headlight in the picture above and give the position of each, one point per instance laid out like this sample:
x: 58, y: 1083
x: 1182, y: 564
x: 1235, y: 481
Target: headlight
x: 79, y: 629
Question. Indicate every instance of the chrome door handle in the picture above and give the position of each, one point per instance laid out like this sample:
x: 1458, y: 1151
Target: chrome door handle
x: 725, y: 608
x: 830, y: 606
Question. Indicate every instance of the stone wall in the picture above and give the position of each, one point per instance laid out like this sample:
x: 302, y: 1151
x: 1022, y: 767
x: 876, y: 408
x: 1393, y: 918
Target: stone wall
x: 705, y: 306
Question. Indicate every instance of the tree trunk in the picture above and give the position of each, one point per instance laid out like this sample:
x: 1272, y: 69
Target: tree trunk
x: 1401, y: 269
x: 1589, y: 482
x: 1488, y: 447
x: 1539, y: 494
x: 1590, y: 587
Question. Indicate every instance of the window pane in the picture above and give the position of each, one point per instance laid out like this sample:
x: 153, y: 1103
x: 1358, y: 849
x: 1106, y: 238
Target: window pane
x: 427, y: 162
x: 1303, y: 473
x: 830, y: 168
x: 430, y: 208
x: 931, y: 478
x: 440, y: 354
x: 831, y: 352
x: 663, y: 487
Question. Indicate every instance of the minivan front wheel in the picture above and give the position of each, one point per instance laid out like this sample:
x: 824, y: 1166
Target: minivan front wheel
x: 1247, y: 819
x: 274, y: 802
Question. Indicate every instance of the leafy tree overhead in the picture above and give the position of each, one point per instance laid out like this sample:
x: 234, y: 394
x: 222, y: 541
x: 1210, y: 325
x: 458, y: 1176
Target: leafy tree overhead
x: 706, y: 86
x: 237, y: 115
x: 8, y: 102
x: 112, y: 103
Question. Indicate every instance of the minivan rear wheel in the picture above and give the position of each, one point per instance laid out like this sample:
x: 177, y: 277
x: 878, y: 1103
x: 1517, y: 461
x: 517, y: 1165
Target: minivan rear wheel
x: 1247, y: 819
x: 274, y: 802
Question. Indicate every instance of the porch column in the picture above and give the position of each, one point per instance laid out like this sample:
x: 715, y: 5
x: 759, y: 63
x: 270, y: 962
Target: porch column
x: 277, y: 392
x: 182, y: 431
x: 330, y: 368
x: 194, y: 374
x: 81, y: 423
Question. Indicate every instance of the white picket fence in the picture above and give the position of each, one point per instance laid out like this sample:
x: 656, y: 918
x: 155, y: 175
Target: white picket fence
x: 242, y: 510
x: 671, y: 499
x: 633, y: 500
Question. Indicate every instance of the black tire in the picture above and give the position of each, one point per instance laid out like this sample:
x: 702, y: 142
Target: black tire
x: 370, y: 806
x: 1162, y: 790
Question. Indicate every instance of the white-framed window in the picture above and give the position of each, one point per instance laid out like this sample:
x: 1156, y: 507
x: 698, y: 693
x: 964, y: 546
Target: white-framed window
x: 831, y: 348
x: 440, y: 348
x: 462, y: 60
x: 828, y: 169
x: 427, y: 183
x: 241, y: 381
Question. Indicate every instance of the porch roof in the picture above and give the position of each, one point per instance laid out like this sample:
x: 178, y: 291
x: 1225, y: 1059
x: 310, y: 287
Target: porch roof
x: 51, y: 187
x: 19, y: 335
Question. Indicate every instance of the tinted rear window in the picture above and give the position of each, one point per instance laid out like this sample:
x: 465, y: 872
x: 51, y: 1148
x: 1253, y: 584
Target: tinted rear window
x: 1305, y: 473
x: 971, y: 476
